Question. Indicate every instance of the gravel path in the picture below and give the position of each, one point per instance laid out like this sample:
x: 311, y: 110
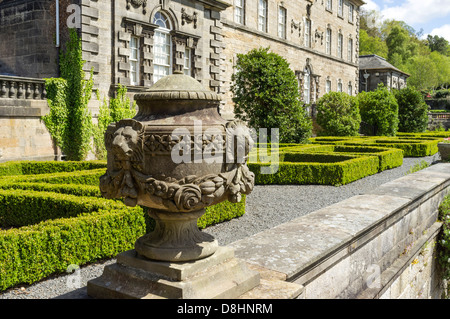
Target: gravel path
x: 267, y: 206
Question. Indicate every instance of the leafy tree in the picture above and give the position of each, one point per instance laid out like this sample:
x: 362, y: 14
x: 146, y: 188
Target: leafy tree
x: 412, y: 110
x: 424, y: 74
x: 371, y: 45
x: 400, y: 47
x: 266, y: 95
x: 387, y: 26
x: 439, y: 44
x: 379, y: 109
x: 338, y: 114
x: 442, y: 64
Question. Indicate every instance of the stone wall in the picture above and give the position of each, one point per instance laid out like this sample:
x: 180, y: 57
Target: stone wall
x: 376, y: 245
x: 27, y: 38
x: 214, y: 39
x: 323, y: 66
x: 206, y: 27
x: 23, y: 135
x: 439, y: 120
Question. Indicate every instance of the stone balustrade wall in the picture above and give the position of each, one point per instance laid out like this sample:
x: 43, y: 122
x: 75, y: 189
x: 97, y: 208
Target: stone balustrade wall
x: 14, y: 87
x: 436, y: 120
x: 23, y: 134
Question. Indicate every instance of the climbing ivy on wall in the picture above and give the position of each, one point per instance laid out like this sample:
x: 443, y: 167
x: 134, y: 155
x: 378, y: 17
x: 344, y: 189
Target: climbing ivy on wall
x: 56, y: 97
x: 119, y: 108
x: 69, y: 120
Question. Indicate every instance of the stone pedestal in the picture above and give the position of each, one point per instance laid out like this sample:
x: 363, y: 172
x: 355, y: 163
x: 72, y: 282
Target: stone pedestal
x: 176, y: 238
x: 220, y: 275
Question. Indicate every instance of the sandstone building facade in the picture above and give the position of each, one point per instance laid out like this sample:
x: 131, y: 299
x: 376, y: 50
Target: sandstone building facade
x: 136, y: 42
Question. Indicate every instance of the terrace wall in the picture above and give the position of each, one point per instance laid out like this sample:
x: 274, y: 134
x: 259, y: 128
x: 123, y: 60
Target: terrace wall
x: 375, y: 245
x: 23, y: 135
x: 439, y: 119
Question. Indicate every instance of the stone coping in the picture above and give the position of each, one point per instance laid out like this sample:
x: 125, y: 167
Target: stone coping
x: 303, y: 248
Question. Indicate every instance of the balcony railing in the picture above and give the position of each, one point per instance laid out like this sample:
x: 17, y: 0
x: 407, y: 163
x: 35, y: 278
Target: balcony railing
x: 14, y: 87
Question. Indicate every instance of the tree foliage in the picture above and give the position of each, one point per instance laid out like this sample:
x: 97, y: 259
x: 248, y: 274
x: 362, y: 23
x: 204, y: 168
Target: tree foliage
x: 412, y: 110
x: 372, y: 45
x: 426, y: 60
x: 265, y: 93
x: 379, y: 109
x: 400, y: 46
x: 338, y: 114
x: 423, y: 72
x: 439, y: 44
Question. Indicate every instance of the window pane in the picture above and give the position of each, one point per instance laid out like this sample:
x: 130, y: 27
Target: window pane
x: 134, y: 61
x: 282, y: 22
x: 328, y: 41
x: 239, y: 11
x: 162, y: 48
x: 307, y: 86
x: 161, y: 20
x: 350, y: 50
x: 187, y: 62
x: 262, y: 13
x: 307, y: 33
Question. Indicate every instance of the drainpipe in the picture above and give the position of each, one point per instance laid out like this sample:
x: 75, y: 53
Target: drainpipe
x: 57, y: 38
x: 57, y: 23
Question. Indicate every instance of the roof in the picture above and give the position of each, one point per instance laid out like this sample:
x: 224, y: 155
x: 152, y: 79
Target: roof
x: 375, y: 62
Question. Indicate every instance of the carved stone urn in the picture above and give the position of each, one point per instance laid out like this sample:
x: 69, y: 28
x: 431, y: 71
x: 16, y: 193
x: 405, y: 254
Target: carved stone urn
x: 177, y: 156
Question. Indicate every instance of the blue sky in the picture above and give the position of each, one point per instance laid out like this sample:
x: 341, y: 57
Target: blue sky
x: 433, y: 16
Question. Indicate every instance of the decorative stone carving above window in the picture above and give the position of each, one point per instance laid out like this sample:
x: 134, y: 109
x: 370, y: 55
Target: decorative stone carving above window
x: 187, y: 18
x: 296, y: 26
x: 137, y: 4
x: 308, y: 9
x: 318, y: 35
x: 181, y: 41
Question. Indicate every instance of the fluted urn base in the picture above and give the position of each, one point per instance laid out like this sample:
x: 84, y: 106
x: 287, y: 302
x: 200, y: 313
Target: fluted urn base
x: 176, y: 237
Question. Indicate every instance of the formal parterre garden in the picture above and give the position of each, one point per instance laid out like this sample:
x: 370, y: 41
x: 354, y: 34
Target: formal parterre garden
x: 52, y: 214
x: 339, y: 160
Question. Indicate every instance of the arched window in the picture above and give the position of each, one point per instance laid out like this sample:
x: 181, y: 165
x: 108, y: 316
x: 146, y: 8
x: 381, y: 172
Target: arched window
x: 307, y: 86
x: 162, y: 47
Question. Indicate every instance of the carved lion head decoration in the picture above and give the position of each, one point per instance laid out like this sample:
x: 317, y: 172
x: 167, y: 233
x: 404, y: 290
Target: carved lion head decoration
x: 127, y: 141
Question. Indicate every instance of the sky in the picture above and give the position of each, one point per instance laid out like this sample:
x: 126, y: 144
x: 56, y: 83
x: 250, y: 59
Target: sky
x: 433, y: 16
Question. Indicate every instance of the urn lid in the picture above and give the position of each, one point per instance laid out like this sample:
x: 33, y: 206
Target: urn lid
x: 177, y: 86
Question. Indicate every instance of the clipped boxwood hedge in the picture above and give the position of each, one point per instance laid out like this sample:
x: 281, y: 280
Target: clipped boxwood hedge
x: 31, y: 253
x: 46, y: 167
x: 28, y: 207
x: 412, y: 146
x: 324, y: 169
x: 84, y: 177
x: 58, y: 218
